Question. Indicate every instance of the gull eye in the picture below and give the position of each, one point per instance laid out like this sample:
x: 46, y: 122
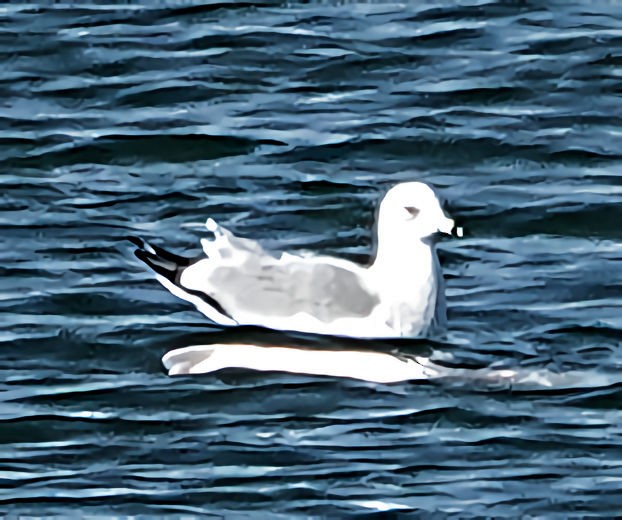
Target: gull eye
x: 412, y: 210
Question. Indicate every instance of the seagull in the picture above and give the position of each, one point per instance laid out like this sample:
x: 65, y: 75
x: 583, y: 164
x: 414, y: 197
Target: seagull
x: 235, y: 281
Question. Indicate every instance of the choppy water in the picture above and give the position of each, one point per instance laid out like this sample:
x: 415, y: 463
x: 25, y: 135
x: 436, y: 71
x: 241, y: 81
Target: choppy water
x: 285, y: 123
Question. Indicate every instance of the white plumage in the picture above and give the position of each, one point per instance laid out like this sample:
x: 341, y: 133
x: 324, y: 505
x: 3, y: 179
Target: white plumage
x: 400, y: 294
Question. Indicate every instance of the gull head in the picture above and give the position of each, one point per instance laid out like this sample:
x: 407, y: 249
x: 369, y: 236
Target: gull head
x: 414, y: 210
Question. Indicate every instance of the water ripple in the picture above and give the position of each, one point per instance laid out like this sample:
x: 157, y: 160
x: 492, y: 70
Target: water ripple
x: 285, y: 123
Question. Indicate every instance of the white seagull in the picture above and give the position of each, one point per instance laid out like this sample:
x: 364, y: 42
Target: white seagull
x: 400, y: 294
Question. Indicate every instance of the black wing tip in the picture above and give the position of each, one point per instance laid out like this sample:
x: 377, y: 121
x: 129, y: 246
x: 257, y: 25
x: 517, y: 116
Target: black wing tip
x: 169, y: 270
x: 163, y: 262
x: 137, y: 241
x: 171, y: 266
x: 160, y: 253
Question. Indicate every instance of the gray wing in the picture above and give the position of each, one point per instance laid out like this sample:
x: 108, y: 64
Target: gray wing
x: 324, y: 291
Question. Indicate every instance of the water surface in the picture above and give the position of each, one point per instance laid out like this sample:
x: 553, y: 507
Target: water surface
x: 285, y: 123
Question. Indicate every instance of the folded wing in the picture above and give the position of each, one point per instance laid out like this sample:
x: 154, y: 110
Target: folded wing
x: 263, y: 287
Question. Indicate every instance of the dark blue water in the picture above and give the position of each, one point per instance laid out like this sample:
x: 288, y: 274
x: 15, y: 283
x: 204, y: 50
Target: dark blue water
x: 285, y: 123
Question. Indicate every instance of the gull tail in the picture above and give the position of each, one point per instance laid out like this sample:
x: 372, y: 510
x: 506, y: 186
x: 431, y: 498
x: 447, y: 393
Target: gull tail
x: 168, y: 268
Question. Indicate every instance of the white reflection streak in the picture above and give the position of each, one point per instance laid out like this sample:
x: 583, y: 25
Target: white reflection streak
x: 371, y: 366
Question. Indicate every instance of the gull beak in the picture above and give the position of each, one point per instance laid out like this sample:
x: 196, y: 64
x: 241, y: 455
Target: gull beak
x: 448, y: 226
